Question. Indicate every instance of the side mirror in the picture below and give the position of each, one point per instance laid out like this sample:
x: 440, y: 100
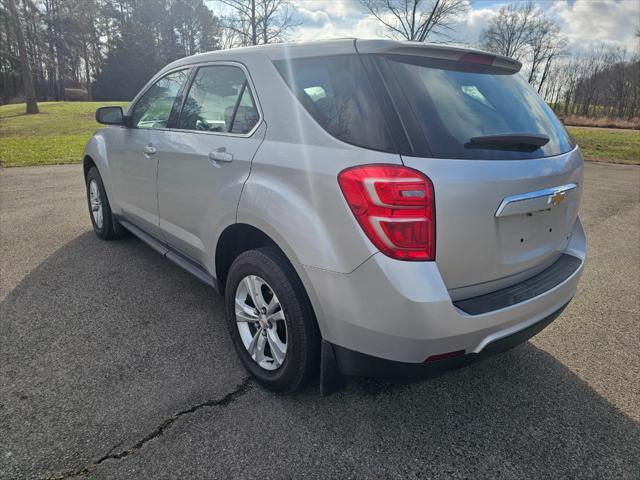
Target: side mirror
x: 110, y: 116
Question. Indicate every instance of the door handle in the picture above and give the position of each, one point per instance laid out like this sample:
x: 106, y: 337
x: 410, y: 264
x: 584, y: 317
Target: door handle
x: 221, y: 155
x: 149, y: 150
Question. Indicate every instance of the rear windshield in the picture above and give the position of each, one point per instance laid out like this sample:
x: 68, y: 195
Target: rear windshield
x: 337, y: 93
x: 454, y: 102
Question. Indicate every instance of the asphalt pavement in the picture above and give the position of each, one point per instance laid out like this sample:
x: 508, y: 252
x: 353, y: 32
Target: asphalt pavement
x: 114, y: 363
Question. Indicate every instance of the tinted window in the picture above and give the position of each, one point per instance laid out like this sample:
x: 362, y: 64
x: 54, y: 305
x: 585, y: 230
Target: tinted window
x: 154, y: 107
x: 336, y: 92
x: 455, y: 102
x: 219, y: 100
x: 246, y: 114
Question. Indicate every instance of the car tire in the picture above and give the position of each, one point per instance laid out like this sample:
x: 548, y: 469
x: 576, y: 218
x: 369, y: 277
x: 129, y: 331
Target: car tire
x: 270, y: 271
x: 104, y: 224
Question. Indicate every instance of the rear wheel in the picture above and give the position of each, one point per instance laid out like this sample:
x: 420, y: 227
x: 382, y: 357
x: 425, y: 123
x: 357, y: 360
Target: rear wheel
x: 270, y: 320
x: 104, y: 225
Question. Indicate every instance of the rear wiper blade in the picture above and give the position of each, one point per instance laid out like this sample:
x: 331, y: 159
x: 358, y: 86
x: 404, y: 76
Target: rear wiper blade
x: 526, y: 142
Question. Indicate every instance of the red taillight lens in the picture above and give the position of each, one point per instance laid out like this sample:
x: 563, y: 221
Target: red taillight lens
x: 395, y: 206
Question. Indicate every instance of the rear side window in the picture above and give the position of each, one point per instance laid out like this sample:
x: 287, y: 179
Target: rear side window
x: 336, y: 92
x: 454, y: 102
x: 219, y: 100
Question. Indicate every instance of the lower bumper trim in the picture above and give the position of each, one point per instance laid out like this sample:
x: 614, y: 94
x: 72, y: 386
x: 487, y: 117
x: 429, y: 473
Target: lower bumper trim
x: 355, y: 363
x: 544, y: 281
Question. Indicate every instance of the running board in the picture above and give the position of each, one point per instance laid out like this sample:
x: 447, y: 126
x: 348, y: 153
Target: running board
x: 166, y: 251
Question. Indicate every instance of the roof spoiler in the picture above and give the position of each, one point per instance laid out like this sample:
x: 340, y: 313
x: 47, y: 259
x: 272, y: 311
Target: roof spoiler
x: 442, y: 52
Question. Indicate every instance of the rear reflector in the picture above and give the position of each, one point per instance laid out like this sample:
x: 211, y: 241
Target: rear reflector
x: 395, y: 206
x: 443, y: 356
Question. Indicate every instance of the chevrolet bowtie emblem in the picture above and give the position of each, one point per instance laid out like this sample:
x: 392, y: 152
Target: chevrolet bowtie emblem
x: 557, y: 198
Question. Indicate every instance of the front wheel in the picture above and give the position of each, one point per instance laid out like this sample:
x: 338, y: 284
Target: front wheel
x: 271, y: 321
x: 104, y: 225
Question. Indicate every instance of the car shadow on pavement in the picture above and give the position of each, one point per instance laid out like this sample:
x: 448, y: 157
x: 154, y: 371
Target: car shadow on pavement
x: 105, y: 341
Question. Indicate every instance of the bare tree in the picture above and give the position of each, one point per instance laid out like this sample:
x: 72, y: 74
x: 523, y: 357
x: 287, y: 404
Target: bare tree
x: 258, y: 21
x: 276, y: 17
x: 545, y: 44
x: 510, y: 31
x: 81, y: 17
x: 233, y: 33
x: 27, y: 79
x: 522, y: 31
x: 552, y: 54
x: 416, y: 20
x: 58, y: 16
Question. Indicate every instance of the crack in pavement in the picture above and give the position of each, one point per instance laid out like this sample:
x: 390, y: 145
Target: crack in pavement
x: 155, y: 433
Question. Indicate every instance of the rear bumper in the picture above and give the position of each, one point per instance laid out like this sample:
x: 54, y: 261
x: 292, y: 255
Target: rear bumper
x: 402, y: 311
x: 355, y: 363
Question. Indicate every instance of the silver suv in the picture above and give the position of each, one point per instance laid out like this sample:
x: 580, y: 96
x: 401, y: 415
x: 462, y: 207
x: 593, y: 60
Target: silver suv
x: 366, y: 207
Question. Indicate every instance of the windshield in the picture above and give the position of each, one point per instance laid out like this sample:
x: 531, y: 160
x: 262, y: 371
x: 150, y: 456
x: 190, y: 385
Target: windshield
x: 454, y: 103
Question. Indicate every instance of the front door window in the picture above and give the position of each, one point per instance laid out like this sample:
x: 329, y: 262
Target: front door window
x: 154, y: 107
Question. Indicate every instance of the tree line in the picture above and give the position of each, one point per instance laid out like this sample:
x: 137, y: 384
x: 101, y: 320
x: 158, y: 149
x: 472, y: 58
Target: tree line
x: 602, y: 83
x: 108, y: 49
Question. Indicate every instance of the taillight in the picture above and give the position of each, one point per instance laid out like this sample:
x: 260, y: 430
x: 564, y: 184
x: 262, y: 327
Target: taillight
x: 395, y: 206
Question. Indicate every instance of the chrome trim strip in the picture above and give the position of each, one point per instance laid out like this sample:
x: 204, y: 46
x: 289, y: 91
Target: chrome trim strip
x: 522, y: 197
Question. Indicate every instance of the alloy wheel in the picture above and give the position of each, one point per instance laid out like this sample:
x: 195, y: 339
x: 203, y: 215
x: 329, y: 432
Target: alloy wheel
x: 261, y: 322
x: 96, y: 203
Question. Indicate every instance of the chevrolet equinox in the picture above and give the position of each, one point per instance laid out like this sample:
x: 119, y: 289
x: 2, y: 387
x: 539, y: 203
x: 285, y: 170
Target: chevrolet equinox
x: 366, y: 207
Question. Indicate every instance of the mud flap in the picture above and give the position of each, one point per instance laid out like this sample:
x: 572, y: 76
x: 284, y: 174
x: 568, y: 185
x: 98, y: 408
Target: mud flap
x: 331, y: 379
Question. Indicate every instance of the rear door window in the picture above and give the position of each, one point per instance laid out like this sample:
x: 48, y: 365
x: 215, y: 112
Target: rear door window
x: 219, y: 100
x: 336, y: 92
x: 453, y: 102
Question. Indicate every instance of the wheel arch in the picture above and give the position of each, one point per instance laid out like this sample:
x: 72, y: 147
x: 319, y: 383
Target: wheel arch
x: 87, y: 163
x: 241, y: 237
x: 234, y: 240
x: 95, y: 155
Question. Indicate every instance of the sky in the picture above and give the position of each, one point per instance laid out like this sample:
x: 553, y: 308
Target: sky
x: 586, y: 23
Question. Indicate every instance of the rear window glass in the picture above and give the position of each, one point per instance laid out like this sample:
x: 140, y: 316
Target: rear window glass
x: 336, y: 92
x: 455, y: 102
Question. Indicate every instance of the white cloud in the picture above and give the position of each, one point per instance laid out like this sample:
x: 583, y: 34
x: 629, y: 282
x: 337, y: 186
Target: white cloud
x: 366, y: 27
x: 470, y: 27
x: 334, y: 19
x: 589, y: 23
x: 317, y: 17
x: 586, y: 23
x: 334, y: 8
x: 325, y: 19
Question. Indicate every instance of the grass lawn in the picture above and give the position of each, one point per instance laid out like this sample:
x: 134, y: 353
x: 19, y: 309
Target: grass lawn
x: 58, y: 134
x: 55, y: 135
x: 608, y: 145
